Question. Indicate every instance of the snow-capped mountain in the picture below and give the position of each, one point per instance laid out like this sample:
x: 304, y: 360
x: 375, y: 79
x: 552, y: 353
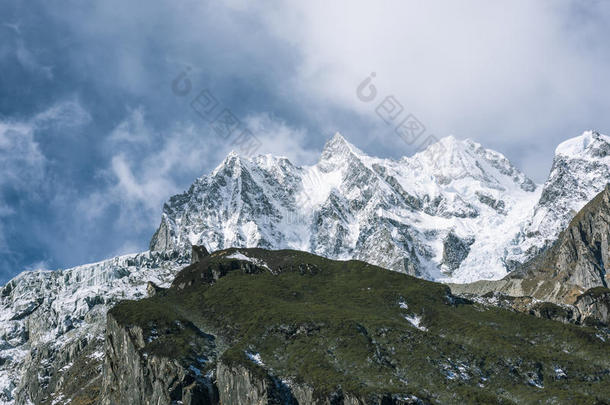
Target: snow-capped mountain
x: 445, y: 213
x: 581, y: 169
x: 455, y: 212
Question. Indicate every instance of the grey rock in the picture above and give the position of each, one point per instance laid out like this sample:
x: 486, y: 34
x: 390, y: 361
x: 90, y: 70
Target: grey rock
x: 133, y: 376
x: 594, y: 306
x: 198, y: 253
x: 153, y: 289
x: 455, y: 250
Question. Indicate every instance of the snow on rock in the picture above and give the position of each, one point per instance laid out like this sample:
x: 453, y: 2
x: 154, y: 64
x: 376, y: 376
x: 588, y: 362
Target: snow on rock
x: 256, y: 358
x: 240, y: 256
x: 396, y: 214
x: 415, y: 320
x: 581, y: 146
x: 455, y: 212
x: 47, y: 318
x: 559, y: 373
x: 581, y: 170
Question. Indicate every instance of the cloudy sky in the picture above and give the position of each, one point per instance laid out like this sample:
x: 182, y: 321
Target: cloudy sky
x: 97, y: 128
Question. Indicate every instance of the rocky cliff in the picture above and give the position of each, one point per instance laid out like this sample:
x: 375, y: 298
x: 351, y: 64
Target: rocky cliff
x: 581, y: 254
x: 251, y: 326
x: 576, y: 263
x: 581, y: 170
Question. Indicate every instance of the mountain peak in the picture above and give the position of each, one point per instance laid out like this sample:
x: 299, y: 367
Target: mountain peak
x: 233, y: 161
x: 454, y: 159
x: 337, y: 137
x: 589, y: 144
x: 337, y: 149
x: 338, y: 144
x: 449, y: 145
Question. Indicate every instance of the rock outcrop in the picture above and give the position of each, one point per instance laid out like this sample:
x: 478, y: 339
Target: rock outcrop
x: 573, y: 271
x: 594, y: 306
x: 455, y: 250
x: 580, y: 171
x: 258, y: 327
x: 575, y: 263
x: 581, y: 254
x: 133, y: 376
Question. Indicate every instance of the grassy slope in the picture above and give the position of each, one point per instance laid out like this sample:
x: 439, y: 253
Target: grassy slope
x: 339, y: 324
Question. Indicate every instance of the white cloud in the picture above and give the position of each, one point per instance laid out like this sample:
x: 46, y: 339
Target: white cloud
x: 504, y: 73
x: 132, y: 129
x: 145, y: 169
x: 39, y: 265
x: 68, y: 113
x: 23, y: 165
x: 21, y: 161
x: 280, y: 139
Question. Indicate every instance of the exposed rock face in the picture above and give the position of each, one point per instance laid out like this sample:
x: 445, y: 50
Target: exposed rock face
x: 591, y: 308
x: 455, y: 250
x: 581, y: 170
x: 577, y: 261
x: 239, y: 385
x: 131, y: 376
x: 198, y: 253
x: 581, y: 254
x: 594, y: 306
x: 571, y: 273
x: 153, y: 289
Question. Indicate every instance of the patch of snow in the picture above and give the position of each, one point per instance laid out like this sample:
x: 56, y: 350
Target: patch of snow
x: 576, y: 147
x: 240, y: 256
x: 256, y: 358
x: 559, y: 373
x: 415, y: 320
x: 97, y: 355
x: 58, y: 400
x: 535, y: 383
